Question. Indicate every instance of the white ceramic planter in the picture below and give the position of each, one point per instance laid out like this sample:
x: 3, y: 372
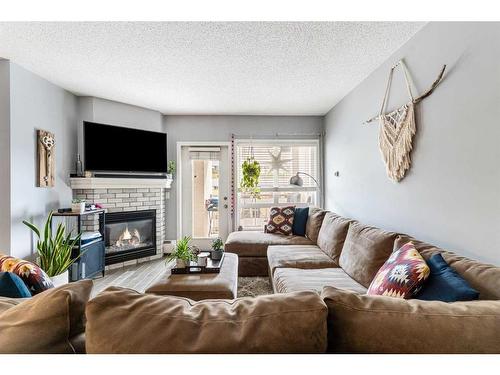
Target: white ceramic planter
x: 61, y: 279
x: 78, y: 207
x: 179, y: 263
x: 202, y: 259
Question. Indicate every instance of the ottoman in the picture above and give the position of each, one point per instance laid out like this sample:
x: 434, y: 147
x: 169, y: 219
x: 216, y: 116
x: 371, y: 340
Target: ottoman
x: 223, y: 285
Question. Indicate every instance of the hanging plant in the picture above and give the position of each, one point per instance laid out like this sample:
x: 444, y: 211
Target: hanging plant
x: 250, y: 181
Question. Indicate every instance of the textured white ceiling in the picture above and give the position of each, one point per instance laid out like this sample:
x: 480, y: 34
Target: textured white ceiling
x: 256, y: 68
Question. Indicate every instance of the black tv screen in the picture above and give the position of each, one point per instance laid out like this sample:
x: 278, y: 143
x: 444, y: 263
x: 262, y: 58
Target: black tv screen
x: 109, y: 148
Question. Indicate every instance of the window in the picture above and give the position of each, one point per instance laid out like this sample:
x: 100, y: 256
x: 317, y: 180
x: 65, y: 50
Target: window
x: 279, y: 160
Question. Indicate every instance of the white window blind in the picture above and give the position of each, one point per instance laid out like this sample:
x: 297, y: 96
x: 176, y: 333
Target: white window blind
x: 204, y: 153
x: 296, y: 156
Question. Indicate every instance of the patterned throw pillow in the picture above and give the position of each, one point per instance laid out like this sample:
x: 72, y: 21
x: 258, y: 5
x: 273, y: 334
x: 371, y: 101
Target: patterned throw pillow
x: 281, y: 220
x: 33, y: 276
x: 402, y: 275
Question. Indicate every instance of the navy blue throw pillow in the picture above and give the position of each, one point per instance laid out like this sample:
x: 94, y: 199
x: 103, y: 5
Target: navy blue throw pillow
x: 445, y: 284
x: 13, y: 286
x: 300, y: 221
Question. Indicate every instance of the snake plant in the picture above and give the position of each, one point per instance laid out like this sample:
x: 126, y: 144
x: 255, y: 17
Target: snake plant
x: 54, y: 249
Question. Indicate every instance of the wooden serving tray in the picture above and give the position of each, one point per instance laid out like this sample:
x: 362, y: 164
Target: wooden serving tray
x: 213, y: 266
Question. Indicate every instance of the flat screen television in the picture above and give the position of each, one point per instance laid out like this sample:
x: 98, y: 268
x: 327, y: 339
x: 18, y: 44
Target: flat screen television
x: 109, y: 148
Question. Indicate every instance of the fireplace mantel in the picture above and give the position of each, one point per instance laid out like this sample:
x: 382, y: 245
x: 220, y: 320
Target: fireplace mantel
x: 118, y: 183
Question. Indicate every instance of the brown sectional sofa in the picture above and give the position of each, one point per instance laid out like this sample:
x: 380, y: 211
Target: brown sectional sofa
x: 342, y: 253
x: 340, y: 261
x: 319, y: 306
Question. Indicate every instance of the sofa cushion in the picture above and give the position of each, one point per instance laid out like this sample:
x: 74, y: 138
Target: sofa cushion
x: 365, y: 250
x: 45, y: 323
x: 281, y: 220
x: 300, y: 221
x: 445, y: 284
x: 287, y: 280
x: 485, y: 278
x: 332, y: 235
x: 254, y: 244
x: 402, y: 275
x: 13, y: 286
x: 125, y: 321
x: 33, y: 276
x: 9, y: 302
x: 316, y: 216
x: 298, y: 256
x: 376, y: 324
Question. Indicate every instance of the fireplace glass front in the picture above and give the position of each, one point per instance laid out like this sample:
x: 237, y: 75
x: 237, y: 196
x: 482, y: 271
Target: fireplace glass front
x: 130, y: 235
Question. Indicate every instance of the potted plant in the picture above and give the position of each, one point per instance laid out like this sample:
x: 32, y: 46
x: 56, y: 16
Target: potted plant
x: 170, y: 169
x: 183, y: 253
x: 78, y: 206
x: 217, y: 249
x: 54, y: 250
x: 250, y: 177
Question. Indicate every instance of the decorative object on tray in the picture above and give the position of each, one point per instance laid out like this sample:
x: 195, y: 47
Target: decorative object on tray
x: 183, y: 253
x: 78, y: 206
x: 397, y: 128
x: 212, y: 266
x: 217, y: 249
x: 201, y: 259
x: 54, y: 250
x: 46, y: 146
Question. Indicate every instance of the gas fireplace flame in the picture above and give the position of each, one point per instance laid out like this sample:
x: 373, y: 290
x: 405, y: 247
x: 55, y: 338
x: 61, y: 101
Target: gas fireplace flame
x: 127, y: 238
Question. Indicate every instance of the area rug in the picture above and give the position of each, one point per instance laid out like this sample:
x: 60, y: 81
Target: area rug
x: 254, y: 286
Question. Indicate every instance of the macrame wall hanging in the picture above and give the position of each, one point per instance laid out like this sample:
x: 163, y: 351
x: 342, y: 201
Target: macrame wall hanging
x: 398, y: 127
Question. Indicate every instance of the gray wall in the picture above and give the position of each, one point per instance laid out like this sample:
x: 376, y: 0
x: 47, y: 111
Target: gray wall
x: 37, y: 104
x: 114, y: 113
x: 450, y: 197
x: 4, y: 156
x: 220, y: 128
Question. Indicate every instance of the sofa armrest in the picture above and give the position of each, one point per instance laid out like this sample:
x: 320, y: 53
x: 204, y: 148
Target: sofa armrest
x: 377, y: 324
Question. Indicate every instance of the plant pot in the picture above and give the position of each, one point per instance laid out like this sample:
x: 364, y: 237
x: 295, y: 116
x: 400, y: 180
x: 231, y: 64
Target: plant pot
x: 179, y: 263
x: 216, y: 254
x: 78, y: 207
x: 170, y: 176
x: 61, y: 279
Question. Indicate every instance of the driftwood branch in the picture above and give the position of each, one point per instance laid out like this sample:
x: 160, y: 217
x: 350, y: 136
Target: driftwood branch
x: 421, y: 97
x: 434, y: 85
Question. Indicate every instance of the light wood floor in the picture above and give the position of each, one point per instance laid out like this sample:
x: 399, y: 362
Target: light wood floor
x: 138, y: 277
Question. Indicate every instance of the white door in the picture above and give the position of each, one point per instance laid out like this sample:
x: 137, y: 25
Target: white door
x: 204, y: 198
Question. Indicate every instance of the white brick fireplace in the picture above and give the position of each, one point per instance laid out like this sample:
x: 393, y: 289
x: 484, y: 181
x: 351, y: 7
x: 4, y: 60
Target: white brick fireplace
x: 125, y: 195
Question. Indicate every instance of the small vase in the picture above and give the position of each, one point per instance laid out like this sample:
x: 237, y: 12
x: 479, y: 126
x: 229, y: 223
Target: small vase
x: 78, y: 207
x: 202, y: 259
x: 61, y: 279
